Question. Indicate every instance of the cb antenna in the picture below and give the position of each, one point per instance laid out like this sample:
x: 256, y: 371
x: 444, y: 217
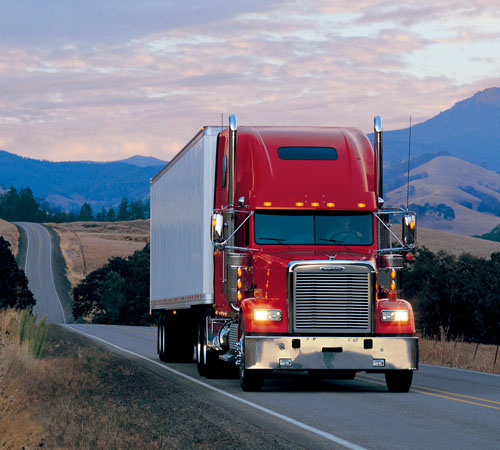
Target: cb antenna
x: 408, y: 183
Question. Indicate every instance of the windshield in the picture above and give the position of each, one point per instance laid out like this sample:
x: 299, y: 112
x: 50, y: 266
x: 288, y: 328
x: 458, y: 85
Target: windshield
x: 313, y: 228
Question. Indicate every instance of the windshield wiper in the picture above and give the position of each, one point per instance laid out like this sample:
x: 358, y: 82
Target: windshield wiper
x: 335, y: 241
x: 272, y: 239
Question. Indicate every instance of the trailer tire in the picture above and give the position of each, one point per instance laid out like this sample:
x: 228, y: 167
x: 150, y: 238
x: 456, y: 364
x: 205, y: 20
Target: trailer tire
x: 399, y: 380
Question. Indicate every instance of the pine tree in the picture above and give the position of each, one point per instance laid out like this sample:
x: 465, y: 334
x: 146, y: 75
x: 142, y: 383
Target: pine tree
x: 111, y: 216
x: 123, y: 210
x: 86, y: 213
x: 14, y: 291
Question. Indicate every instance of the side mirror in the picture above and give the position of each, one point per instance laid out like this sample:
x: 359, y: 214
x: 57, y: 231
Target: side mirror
x: 409, y: 229
x: 217, y: 226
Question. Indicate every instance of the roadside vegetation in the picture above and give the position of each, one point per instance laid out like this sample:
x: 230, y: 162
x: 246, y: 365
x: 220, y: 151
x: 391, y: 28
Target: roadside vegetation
x: 455, y: 298
x: 80, y: 396
x: 116, y: 293
x: 14, y: 291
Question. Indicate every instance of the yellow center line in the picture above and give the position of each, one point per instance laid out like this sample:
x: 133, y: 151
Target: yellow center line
x: 418, y: 390
x: 447, y: 392
x: 39, y: 253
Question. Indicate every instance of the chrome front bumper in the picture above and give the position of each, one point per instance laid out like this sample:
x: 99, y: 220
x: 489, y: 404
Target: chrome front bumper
x: 342, y: 353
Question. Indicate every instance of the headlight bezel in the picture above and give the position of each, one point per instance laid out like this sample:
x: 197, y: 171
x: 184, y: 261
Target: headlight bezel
x: 395, y: 315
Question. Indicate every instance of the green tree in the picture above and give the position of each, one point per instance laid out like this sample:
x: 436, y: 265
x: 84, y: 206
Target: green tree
x: 123, y: 210
x: 28, y: 207
x: 113, y: 300
x: 86, y: 213
x: 111, y: 216
x: 9, y: 205
x: 117, y: 292
x: 101, y: 215
x: 14, y: 291
x: 137, y: 210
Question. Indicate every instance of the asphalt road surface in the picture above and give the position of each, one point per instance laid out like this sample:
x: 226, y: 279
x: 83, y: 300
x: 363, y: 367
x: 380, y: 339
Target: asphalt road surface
x: 445, y: 409
x: 38, y: 268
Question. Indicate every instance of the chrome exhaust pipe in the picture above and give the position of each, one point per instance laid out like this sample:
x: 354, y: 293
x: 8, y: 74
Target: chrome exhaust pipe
x: 233, y: 128
x: 377, y: 146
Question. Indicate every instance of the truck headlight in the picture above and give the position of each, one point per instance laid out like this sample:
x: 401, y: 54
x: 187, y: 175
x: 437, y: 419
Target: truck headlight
x: 395, y: 315
x: 273, y: 315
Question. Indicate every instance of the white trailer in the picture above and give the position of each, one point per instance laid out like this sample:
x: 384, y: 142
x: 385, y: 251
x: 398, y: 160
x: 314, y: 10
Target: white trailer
x: 182, y: 201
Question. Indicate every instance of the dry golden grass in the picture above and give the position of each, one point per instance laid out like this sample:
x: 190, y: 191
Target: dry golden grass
x: 445, y: 176
x: 11, y: 234
x: 87, y: 246
x: 456, y: 244
x: 19, y: 428
x: 80, y: 396
x: 462, y: 355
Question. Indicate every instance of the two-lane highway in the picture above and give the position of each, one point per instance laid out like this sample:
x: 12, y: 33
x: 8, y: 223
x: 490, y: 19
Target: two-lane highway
x: 445, y: 409
x: 38, y: 268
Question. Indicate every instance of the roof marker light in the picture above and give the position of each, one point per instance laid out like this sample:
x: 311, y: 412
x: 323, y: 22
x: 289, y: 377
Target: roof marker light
x: 299, y: 203
x: 361, y: 205
x: 314, y: 204
x: 268, y: 204
x: 330, y: 205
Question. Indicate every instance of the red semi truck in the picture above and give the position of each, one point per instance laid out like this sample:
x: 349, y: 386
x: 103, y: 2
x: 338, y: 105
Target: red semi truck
x: 271, y: 250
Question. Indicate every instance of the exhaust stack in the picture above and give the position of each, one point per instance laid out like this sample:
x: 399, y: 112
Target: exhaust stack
x: 233, y: 128
x: 377, y: 146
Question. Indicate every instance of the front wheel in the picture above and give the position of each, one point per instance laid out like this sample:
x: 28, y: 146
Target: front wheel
x: 399, y: 380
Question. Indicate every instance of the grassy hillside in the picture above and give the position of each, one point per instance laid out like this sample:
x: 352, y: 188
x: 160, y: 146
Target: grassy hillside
x: 465, y: 187
x: 436, y: 240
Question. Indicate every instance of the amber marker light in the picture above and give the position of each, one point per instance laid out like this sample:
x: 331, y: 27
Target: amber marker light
x: 299, y: 204
x: 393, y: 285
x: 393, y: 274
x: 268, y: 204
x: 361, y: 205
x: 315, y: 204
x: 330, y: 205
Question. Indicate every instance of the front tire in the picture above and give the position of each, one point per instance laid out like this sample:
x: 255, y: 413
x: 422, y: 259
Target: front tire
x: 399, y: 380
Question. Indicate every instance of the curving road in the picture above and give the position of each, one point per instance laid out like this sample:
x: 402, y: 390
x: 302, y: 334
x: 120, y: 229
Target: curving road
x: 445, y: 409
x: 38, y: 268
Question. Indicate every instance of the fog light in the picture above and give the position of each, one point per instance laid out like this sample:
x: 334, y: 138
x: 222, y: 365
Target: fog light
x: 273, y: 315
x: 379, y: 363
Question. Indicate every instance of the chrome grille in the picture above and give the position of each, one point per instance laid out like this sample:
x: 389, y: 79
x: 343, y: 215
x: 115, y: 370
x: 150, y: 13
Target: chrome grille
x: 338, y: 302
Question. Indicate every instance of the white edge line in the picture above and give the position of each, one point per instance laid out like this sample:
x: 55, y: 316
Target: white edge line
x: 52, y: 274
x: 287, y: 419
x: 460, y: 370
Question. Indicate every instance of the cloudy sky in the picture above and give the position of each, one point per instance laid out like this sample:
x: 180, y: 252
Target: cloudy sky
x: 107, y: 79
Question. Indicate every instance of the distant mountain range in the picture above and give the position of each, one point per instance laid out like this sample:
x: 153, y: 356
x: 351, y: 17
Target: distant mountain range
x: 70, y: 184
x: 450, y: 156
x: 470, y: 130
